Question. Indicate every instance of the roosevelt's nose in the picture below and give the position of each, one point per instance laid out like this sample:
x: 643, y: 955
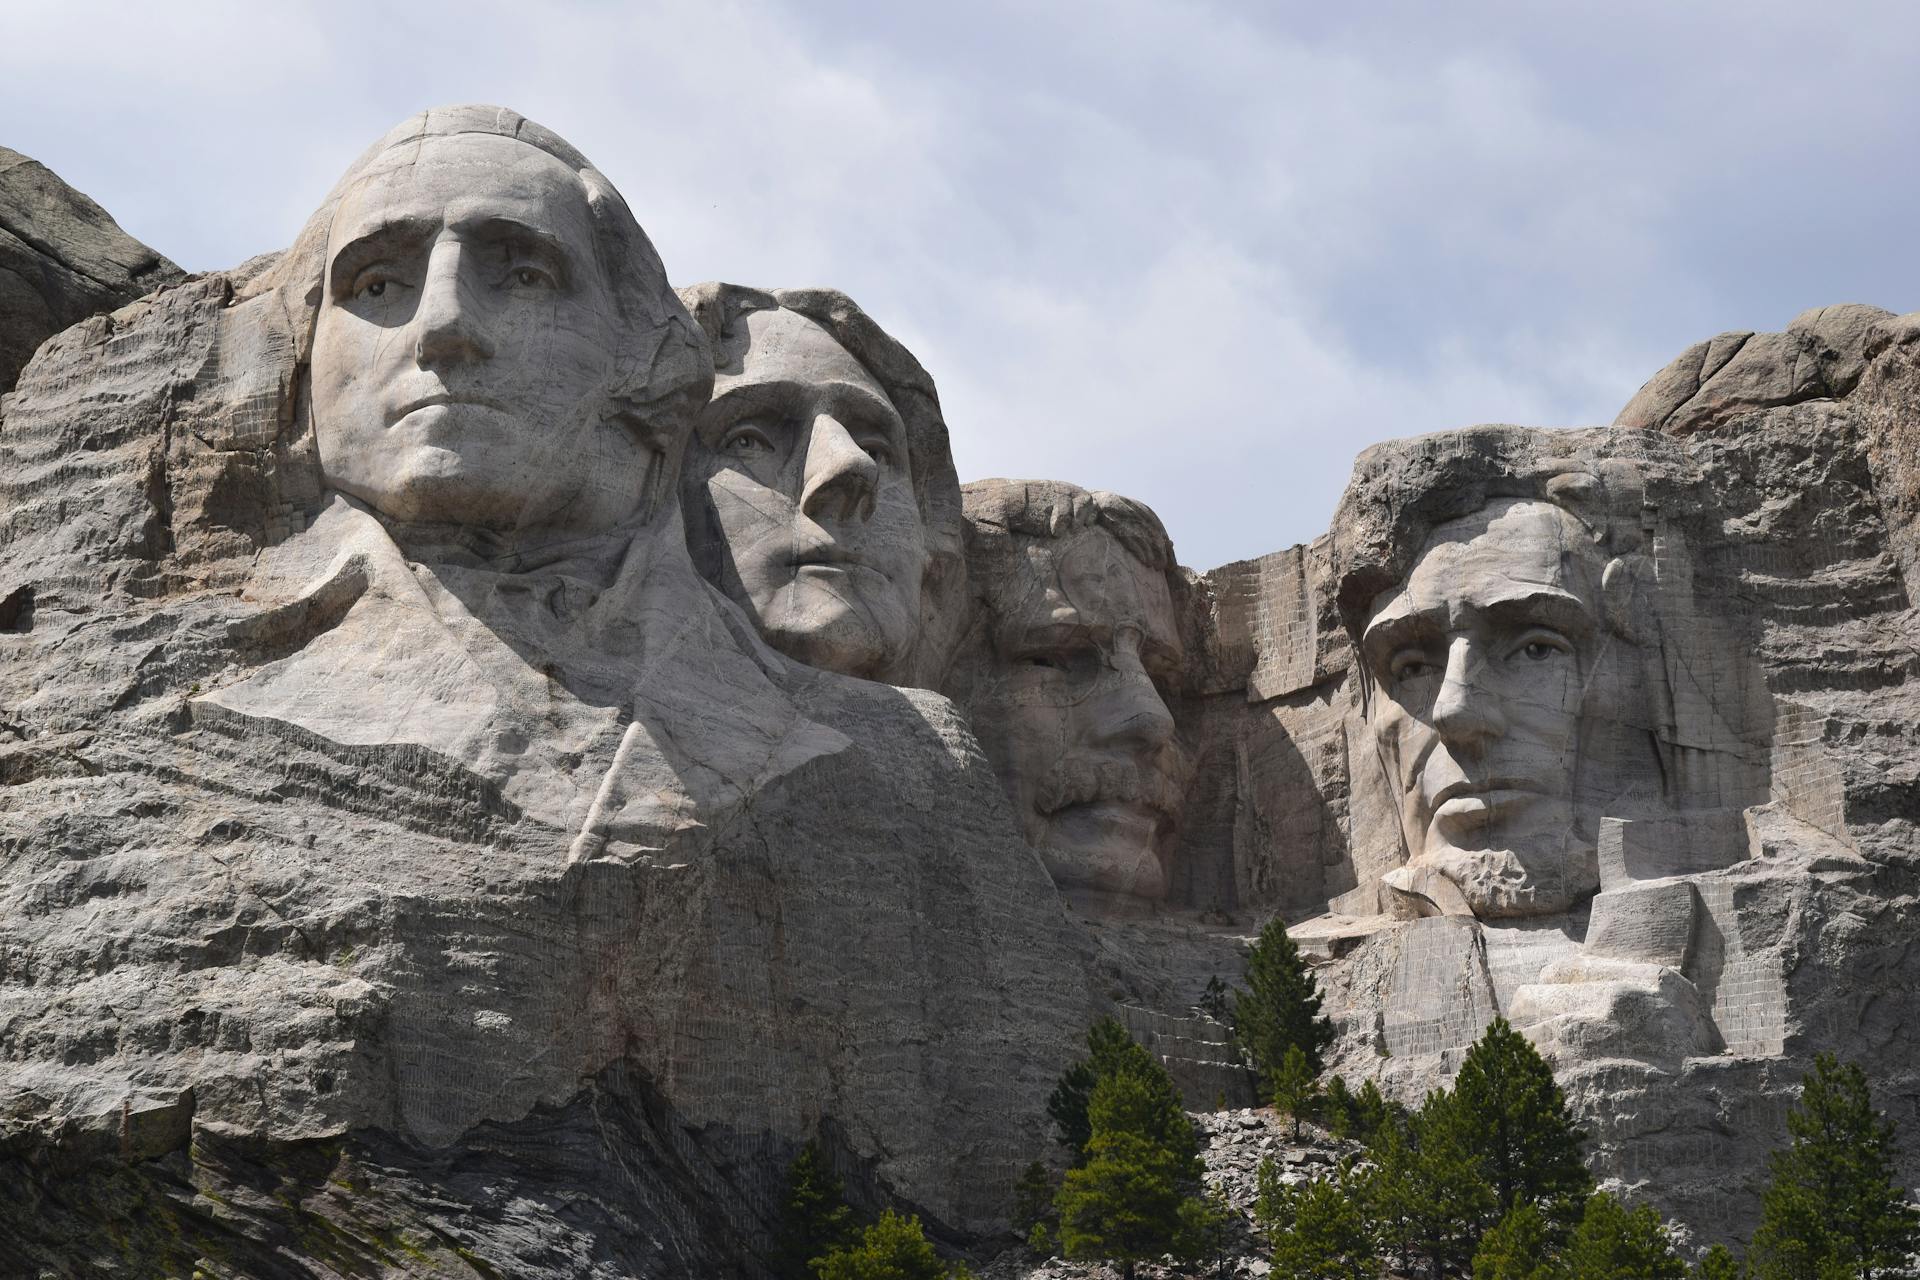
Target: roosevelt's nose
x: 1465, y: 712
x: 840, y: 476
x: 447, y: 324
x: 1127, y: 712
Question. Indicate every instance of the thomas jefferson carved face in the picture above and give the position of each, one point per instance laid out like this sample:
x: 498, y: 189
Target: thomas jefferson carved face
x: 1480, y: 667
x: 465, y: 344
x: 802, y: 458
x: 1070, y: 710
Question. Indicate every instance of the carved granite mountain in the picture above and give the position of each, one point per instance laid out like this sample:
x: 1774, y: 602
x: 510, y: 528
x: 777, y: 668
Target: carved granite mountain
x: 62, y: 259
x: 415, y: 861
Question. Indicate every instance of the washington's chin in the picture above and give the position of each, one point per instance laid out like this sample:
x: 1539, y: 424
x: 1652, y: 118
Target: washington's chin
x: 1499, y: 884
x: 1106, y: 846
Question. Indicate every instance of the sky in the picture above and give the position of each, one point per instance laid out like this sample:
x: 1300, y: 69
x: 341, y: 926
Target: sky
x: 1199, y: 254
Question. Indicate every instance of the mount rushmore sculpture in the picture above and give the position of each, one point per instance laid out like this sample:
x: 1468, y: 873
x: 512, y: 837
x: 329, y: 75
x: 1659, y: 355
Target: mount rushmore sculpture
x: 498, y: 751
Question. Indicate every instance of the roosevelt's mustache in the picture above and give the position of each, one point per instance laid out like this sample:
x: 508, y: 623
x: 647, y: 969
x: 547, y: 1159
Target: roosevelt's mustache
x: 1078, y: 780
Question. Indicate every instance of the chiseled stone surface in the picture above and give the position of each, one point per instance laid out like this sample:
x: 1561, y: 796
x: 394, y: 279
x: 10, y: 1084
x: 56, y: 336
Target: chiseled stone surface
x: 474, y: 795
x: 357, y: 854
x: 62, y: 259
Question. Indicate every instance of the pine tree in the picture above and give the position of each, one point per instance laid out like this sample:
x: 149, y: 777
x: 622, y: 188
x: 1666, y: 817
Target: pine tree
x: 1526, y: 1143
x: 1614, y: 1241
x: 1206, y: 1230
x: 1281, y: 1006
x: 1516, y: 1249
x: 1033, y: 1204
x: 1110, y: 1051
x: 1717, y: 1263
x: 1373, y: 1114
x: 814, y: 1217
x: 894, y: 1248
x: 1125, y: 1203
x: 1320, y: 1228
x: 1431, y: 1200
x: 1832, y: 1207
x: 1291, y: 1087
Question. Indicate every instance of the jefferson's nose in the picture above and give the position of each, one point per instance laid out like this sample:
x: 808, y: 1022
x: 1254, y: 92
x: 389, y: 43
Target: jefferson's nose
x: 447, y: 327
x: 1465, y: 712
x: 1127, y: 711
x: 840, y: 476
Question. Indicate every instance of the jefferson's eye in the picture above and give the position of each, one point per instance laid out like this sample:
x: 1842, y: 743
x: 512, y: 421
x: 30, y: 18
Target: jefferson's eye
x: 880, y: 451
x: 374, y: 290
x: 1411, y: 664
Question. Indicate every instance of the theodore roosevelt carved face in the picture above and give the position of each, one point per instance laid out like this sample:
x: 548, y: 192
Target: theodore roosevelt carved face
x: 1480, y: 666
x: 466, y: 341
x: 1075, y: 645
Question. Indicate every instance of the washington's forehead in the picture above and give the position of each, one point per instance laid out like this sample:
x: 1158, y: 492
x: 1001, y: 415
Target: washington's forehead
x: 785, y: 346
x: 465, y: 178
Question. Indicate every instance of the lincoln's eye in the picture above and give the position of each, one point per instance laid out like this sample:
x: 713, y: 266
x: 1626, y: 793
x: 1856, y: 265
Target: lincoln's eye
x: 1540, y: 650
x: 377, y: 289
x: 746, y: 442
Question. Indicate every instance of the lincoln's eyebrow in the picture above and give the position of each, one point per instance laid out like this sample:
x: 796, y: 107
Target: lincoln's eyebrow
x: 1397, y: 629
x: 1545, y: 606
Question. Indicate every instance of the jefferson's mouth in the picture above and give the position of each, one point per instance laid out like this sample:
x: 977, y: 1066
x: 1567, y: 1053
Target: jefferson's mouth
x: 1485, y: 789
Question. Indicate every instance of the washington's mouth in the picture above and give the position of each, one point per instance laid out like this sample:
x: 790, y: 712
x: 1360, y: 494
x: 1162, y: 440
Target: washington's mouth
x: 1485, y: 792
x: 438, y: 398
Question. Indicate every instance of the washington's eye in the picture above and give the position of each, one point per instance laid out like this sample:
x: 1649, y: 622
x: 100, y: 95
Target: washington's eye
x: 372, y: 283
x: 532, y: 278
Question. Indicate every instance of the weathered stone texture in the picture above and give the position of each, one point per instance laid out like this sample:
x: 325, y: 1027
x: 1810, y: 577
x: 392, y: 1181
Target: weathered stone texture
x: 62, y: 259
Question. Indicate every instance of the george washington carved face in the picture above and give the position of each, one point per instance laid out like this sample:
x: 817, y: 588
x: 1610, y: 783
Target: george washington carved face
x: 466, y: 343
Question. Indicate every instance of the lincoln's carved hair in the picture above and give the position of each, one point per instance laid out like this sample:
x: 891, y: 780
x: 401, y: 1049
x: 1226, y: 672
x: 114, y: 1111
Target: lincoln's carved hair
x: 1401, y: 492
x: 664, y: 376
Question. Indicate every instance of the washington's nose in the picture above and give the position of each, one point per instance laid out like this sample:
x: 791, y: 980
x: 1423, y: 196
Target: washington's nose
x: 1465, y: 713
x: 1128, y: 712
x: 840, y: 476
x: 446, y: 325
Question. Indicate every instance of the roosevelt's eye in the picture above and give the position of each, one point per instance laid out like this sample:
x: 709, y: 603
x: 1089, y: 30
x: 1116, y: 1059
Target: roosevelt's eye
x: 1043, y: 661
x: 746, y: 442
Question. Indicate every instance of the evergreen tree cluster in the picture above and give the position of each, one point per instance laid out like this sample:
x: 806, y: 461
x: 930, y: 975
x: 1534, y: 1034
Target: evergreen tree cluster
x: 820, y: 1238
x: 1132, y: 1191
x: 1486, y: 1180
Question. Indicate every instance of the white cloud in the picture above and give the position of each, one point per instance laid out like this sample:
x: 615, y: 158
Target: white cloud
x: 1175, y: 249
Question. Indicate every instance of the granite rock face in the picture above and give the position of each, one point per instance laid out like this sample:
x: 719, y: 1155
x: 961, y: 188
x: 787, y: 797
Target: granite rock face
x: 496, y: 752
x: 377, y: 826
x: 62, y: 259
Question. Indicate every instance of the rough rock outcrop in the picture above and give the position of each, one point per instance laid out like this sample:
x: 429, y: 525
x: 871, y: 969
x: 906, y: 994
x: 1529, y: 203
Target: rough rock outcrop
x: 62, y: 259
